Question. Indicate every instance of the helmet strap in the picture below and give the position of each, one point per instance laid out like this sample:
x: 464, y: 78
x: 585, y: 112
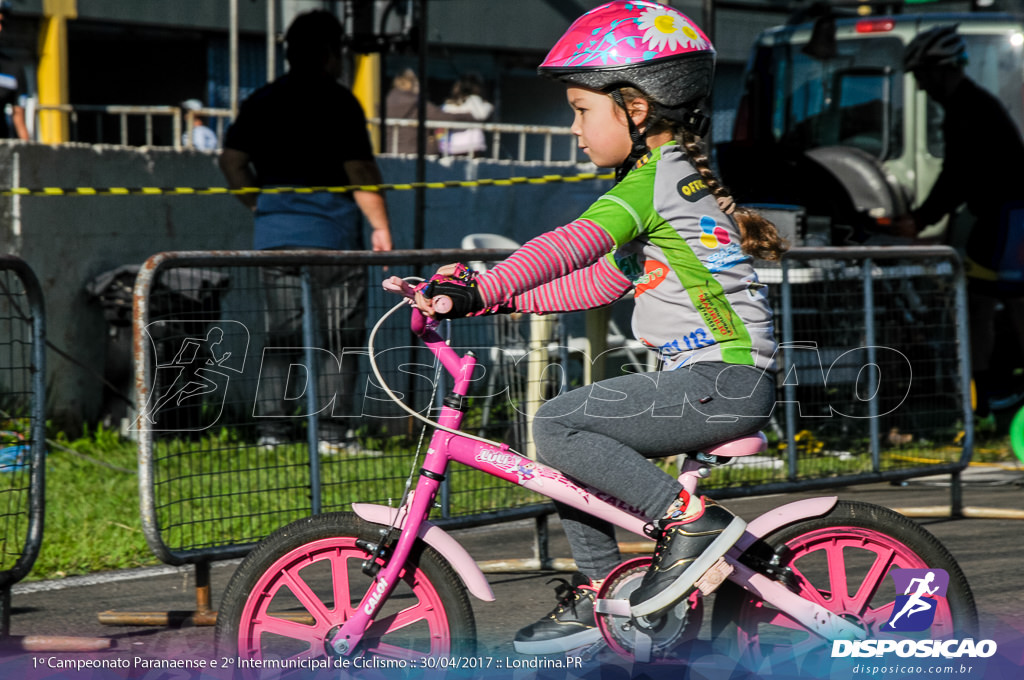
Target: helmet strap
x: 692, y: 119
x: 639, y: 149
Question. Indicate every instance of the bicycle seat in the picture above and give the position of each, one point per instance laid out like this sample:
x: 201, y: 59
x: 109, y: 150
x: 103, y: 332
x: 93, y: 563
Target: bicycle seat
x: 749, y: 445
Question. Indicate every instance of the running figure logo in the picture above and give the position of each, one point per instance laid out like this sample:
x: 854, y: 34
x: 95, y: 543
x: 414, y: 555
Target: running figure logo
x: 914, y: 610
x: 199, y: 372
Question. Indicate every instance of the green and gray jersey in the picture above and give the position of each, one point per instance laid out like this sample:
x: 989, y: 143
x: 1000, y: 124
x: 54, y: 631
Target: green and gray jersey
x: 697, y: 295
x: 661, y: 234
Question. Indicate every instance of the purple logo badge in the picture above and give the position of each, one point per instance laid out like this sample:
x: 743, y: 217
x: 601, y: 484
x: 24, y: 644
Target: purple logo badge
x: 914, y: 609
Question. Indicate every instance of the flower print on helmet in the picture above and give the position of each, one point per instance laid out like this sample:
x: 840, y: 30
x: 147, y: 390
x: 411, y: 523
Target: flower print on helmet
x: 663, y: 27
x: 637, y: 43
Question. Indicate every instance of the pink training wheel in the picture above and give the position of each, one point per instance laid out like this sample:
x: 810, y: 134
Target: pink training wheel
x: 442, y: 304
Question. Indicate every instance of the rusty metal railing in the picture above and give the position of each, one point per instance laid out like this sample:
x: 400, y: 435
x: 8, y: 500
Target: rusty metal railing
x: 22, y: 426
x: 888, y: 323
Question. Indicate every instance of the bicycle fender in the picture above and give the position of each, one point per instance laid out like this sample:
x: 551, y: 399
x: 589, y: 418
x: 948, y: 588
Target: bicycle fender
x: 784, y: 515
x: 441, y: 541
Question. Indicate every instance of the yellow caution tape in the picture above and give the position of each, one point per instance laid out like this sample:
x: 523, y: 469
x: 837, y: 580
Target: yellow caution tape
x: 217, y: 191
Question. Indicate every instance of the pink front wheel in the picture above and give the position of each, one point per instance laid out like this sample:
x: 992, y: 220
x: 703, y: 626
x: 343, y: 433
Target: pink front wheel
x: 301, y: 583
x: 841, y: 561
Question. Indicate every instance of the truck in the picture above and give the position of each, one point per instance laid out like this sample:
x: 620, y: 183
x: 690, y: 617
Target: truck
x: 831, y: 125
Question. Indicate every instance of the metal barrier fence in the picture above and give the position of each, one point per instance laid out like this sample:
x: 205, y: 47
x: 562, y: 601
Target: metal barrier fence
x: 129, y: 125
x: 157, y: 123
x: 234, y: 440
x: 874, y: 375
x: 244, y: 423
x: 22, y: 426
x: 531, y: 142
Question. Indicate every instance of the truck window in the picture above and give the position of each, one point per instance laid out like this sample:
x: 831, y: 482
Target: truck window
x: 854, y: 99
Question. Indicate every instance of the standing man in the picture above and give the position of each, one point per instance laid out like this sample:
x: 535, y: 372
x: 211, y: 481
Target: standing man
x: 306, y: 129
x: 983, y: 168
x: 12, y: 93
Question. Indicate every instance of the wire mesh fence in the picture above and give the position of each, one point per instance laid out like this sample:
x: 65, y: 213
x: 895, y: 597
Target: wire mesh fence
x: 874, y: 377
x: 22, y: 422
x: 252, y: 413
x: 255, y: 413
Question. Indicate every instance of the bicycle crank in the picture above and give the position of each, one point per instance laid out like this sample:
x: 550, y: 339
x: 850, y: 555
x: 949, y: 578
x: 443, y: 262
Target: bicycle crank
x: 644, y: 639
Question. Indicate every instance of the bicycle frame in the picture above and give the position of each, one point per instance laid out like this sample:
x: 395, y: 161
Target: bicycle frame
x: 500, y: 461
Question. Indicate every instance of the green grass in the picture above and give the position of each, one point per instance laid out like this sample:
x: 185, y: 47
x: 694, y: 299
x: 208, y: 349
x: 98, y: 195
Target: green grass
x: 211, y: 492
x: 92, y: 499
x: 92, y: 508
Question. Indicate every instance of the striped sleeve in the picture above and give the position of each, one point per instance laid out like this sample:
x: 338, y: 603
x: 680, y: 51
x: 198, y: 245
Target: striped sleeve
x: 598, y: 285
x: 545, y: 258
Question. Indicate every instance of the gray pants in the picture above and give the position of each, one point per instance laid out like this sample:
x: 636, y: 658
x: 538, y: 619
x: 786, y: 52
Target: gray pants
x: 339, y: 298
x: 603, y: 436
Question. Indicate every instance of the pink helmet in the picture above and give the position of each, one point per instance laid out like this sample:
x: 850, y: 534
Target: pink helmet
x: 636, y: 43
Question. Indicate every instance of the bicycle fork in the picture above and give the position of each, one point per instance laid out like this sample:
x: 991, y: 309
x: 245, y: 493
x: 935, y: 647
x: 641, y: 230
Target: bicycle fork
x: 387, y: 577
x: 417, y: 509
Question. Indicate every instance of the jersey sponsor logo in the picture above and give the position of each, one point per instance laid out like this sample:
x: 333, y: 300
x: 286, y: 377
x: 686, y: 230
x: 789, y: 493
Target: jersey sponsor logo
x: 697, y: 339
x: 693, y: 188
x: 712, y: 235
x: 654, y: 274
x: 756, y: 291
x: 725, y: 252
x: 716, y: 313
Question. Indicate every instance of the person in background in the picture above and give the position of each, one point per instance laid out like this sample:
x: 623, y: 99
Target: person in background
x: 12, y: 93
x: 200, y: 137
x: 983, y: 169
x: 466, y: 98
x: 306, y: 129
x: 403, y: 103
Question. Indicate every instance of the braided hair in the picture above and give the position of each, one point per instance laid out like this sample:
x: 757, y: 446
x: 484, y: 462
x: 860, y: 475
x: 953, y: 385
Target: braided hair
x: 758, y: 236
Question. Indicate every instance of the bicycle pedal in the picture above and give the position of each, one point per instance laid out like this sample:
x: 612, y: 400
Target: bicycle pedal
x: 615, y: 607
x: 714, y: 577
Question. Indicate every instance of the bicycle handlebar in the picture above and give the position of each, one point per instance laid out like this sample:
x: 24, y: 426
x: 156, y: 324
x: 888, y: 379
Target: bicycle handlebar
x: 426, y: 328
x: 420, y: 322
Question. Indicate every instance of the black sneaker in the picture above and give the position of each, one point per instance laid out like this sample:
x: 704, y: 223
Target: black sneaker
x: 686, y: 548
x: 570, y: 624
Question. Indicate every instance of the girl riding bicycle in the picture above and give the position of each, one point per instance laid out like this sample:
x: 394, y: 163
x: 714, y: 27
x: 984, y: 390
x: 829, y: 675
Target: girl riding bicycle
x: 638, y: 76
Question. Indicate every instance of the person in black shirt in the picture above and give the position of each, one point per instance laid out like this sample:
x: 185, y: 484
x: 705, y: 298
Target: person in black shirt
x: 305, y: 129
x: 983, y: 169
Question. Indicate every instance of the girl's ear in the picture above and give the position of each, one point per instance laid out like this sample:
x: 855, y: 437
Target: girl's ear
x: 638, y: 110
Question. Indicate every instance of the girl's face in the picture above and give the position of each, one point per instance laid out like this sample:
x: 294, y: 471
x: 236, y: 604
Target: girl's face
x: 600, y: 127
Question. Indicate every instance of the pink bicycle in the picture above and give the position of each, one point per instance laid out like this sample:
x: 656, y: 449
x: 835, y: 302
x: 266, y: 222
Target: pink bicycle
x: 384, y: 587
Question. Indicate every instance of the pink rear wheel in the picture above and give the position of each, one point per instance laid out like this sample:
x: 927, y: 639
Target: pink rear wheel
x: 299, y: 585
x: 842, y: 561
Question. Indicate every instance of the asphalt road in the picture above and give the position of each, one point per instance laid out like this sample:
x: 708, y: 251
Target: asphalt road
x: 988, y: 547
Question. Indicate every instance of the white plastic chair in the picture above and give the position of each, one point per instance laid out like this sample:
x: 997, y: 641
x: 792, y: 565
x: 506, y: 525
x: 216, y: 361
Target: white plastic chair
x: 483, y: 240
